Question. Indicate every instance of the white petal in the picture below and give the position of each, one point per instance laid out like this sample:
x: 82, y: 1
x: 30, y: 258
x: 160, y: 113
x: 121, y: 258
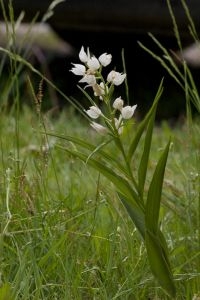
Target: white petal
x: 115, y: 77
x: 78, y: 69
x: 83, y: 55
x: 128, y: 111
x: 105, y: 59
x: 89, y: 79
x: 93, y: 112
x: 93, y: 63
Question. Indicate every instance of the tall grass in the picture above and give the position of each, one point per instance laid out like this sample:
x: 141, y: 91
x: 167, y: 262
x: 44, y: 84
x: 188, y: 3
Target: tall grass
x: 64, y: 234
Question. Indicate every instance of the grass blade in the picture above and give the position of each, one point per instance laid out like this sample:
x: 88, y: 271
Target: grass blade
x: 120, y: 183
x: 94, y: 149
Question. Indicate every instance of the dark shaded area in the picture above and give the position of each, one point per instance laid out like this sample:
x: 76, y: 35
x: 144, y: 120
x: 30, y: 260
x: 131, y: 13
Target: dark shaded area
x: 109, y: 26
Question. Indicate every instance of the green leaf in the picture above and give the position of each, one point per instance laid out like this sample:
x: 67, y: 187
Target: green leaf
x: 142, y: 170
x: 144, y: 123
x: 94, y: 149
x: 154, y: 193
x: 155, y: 242
x: 158, y: 263
x: 136, y: 214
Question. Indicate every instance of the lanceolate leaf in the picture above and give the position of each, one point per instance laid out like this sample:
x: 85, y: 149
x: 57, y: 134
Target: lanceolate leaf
x: 154, y: 193
x: 155, y: 241
x: 142, y: 171
x: 159, y: 265
x: 135, y: 213
x: 144, y: 124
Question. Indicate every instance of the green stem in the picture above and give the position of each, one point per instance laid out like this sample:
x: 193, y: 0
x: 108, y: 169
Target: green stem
x: 119, y: 144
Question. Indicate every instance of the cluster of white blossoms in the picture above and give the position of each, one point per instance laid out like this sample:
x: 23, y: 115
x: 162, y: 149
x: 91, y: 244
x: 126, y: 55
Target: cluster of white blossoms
x: 91, y: 72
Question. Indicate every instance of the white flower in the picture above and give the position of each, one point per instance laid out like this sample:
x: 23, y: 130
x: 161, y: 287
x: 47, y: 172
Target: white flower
x: 89, y: 79
x: 128, y: 111
x: 118, y: 104
x: 119, y: 124
x: 93, y: 112
x: 83, y: 56
x: 99, y: 128
x: 93, y: 64
x: 105, y: 59
x: 78, y: 69
x: 115, y: 77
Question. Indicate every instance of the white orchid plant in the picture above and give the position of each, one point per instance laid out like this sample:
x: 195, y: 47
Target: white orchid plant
x: 140, y: 197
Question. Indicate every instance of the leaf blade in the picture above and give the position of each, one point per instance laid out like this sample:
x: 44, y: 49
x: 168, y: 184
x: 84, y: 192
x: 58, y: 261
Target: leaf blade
x: 143, y: 124
x: 158, y: 263
x: 154, y: 193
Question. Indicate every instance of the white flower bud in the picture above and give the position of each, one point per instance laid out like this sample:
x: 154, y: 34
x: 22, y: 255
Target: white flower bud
x: 93, y: 112
x: 118, y: 104
x: 115, y: 77
x: 99, y: 128
x: 119, y: 124
x: 78, y: 69
x: 105, y: 59
x: 83, y: 56
x: 93, y: 64
x: 128, y: 111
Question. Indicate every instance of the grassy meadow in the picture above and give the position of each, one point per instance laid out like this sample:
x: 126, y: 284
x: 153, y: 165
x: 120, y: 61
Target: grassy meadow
x: 65, y: 234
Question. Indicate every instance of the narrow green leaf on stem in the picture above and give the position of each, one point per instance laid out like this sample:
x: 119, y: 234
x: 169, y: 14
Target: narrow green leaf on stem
x: 154, y: 194
x: 155, y: 241
x: 144, y: 123
x: 136, y: 214
x: 142, y: 170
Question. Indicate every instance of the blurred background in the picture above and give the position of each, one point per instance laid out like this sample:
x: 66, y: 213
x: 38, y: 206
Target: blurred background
x: 60, y: 28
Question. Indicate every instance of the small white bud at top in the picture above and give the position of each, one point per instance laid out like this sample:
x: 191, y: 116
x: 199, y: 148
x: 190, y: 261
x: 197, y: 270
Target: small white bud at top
x: 93, y: 64
x: 83, y: 56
